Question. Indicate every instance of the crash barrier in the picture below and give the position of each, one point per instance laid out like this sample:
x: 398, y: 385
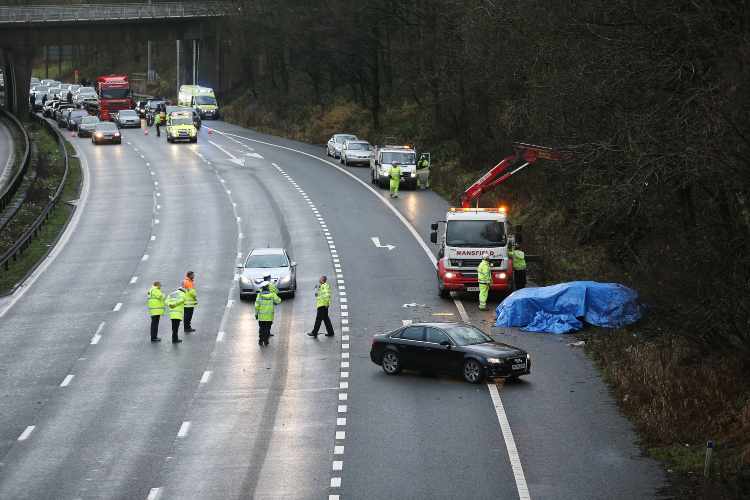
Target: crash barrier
x: 12, y: 187
x: 113, y: 12
x: 24, y: 241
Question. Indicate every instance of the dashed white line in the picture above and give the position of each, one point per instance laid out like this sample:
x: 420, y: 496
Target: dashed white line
x: 95, y: 339
x: 26, y: 433
x: 133, y: 279
x: 338, y: 450
x: 340, y: 435
x: 154, y: 494
x: 145, y: 257
x: 67, y: 380
x: 153, y: 237
x: 342, y: 409
x: 335, y: 482
x: 206, y: 376
x: 341, y: 421
x: 338, y: 465
x: 117, y: 307
x: 344, y: 374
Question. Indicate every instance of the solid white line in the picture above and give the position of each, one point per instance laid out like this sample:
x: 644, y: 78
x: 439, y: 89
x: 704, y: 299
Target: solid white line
x: 117, y: 307
x: 100, y: 327
x: 206, y: 376
x: 64, y: 239
x: 510, y: 444
x: 220, y: 337
x: 26, y: 433
x: 133, y: 279
x: 154, y: 494
x: 184, y: 429
x: 67, y: 380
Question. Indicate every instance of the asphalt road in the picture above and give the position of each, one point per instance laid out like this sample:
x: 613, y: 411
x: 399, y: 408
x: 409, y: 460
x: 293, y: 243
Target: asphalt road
x: 219, y: 417
x: 6, y: 155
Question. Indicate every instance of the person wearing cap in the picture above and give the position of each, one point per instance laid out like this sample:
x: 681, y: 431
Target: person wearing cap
x: 191, y: 300
x: 484, y: 275
x: 265, y: 303
x: 155, y: 306
x: 322, y: 303
x: 272, y: 286
x: 176, y: 305
x: 519, y: 267
x: 395, y: 173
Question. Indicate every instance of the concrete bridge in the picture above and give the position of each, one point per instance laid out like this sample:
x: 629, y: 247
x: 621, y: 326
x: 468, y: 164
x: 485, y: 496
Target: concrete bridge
x: 25, y: 29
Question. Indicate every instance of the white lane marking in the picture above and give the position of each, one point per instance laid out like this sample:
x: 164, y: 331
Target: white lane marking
x: 334, y: 497
x: 145, y: 257
x: 67, y: 380
x: 340, y: 434
x: 338, y: 465
x: 344, y: 374
x: 232, y: 158
x: 95, y: 339
x: 462, y: 311
x: 345, y: 355
x: 341, y: 421
x: 342, y: 409
x: 156, y: 221
x: 154, y: 494
x: 230, y: 302
x: 184, y: 429
x: 338, y: 450
x: 343, y: 385
x: 133, y: 279
x: 26, y: 433
x: 117, y: 307
x: 206, y: 376
x: 376, y: 242
x: 344, y: 364
x: 64, y: 239
x: 220, y: 337
x: 343, y: 396
x: 153, y: 238
x: 510, y: 444
x: 335, y: 482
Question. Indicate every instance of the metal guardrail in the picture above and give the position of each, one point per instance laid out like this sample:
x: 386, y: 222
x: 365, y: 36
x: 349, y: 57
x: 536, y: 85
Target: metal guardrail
x: 24, y: 241
x: 113, y: 12
x: 10, y: 190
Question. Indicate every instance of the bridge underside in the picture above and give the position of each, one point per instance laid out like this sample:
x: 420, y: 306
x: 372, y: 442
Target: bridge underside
x: 19, y: 44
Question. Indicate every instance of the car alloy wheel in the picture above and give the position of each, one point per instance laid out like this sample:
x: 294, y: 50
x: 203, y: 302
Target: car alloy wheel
x: 473, y: 371
x: 391, y: 363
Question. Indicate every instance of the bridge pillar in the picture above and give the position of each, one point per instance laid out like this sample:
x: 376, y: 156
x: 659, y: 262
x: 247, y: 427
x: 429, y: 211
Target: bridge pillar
x: 19, y: 62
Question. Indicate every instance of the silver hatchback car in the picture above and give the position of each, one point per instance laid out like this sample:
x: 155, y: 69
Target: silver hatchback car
x: 336, y: 142
x: 273, y: 262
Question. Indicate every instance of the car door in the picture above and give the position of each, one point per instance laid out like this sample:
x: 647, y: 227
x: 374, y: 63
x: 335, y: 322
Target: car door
x: 437, y: 356
x: 409, y: 344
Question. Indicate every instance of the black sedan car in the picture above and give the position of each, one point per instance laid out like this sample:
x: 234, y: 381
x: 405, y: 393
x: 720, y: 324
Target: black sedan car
x: 448, y: 347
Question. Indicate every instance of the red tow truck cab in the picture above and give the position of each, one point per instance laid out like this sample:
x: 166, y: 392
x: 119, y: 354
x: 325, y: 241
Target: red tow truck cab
x: 466, y: 280
x: 114, y: 95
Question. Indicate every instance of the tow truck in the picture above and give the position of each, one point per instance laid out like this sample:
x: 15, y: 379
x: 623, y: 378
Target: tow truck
x: 471, y: 231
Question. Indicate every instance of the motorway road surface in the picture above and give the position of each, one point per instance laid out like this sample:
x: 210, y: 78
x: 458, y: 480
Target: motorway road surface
x: 6, y: 155
x: 90, y: 409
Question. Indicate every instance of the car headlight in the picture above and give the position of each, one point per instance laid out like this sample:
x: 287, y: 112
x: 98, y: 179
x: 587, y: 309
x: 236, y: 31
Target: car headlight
x: 413, y: 174
x: 494, y: 361
x: 284, y: 280
x: 244, y: 280
x: 99, y: 134
x: 117, y: 134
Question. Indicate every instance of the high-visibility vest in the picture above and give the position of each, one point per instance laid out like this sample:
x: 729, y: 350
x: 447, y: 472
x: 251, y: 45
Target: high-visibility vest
x: 483, y: 273
x: 155, y: 301
x: 323, y: 295
x: 264, y: 305
x: 176, y: 304
x: 519, y: 259
x: 395, y: 173
x: 191, y: 296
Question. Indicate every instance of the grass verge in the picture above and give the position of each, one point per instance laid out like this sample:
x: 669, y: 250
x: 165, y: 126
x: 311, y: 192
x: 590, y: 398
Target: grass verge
x: 46, y: 147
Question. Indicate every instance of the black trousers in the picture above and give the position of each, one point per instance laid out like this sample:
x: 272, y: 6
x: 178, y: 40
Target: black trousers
x: 175, y: 329
x: 188, y: 318
x: 264, y: 330
x: 322, y: 316
x: 158, y: 134
x: 155, y: 326
x: 519, y: 277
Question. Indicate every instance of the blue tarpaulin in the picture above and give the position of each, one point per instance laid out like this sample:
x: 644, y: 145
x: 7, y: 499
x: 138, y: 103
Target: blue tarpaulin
x: 561, y: 308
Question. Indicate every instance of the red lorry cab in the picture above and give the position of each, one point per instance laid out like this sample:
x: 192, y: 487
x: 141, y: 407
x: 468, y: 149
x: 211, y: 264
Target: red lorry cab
x: 114, y: 95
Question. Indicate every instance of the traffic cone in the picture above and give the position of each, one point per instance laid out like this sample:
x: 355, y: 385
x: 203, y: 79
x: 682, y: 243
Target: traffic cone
x: 210, y: 131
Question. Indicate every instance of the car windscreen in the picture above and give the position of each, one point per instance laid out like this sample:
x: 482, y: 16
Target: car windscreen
x: 467, y: 335
x: 127, y: 113
x: 182, y: 121
x: 88, y: 120
x: 155, y: 104
x: 106, y: 127
x: 343, y: 138
x: 359, y: 146
x: 204, y: 99
x: 399, y: 157
x: 475, y: 233
x: 266, y: 261
x: 76, y: 114
x: 113, y: 93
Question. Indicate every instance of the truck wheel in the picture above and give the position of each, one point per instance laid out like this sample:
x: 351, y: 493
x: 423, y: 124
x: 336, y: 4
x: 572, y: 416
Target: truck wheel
x: 443, y: 292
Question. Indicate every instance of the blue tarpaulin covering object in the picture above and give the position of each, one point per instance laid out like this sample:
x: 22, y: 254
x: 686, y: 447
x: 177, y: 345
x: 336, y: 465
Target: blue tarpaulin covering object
x: 559, y: 308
